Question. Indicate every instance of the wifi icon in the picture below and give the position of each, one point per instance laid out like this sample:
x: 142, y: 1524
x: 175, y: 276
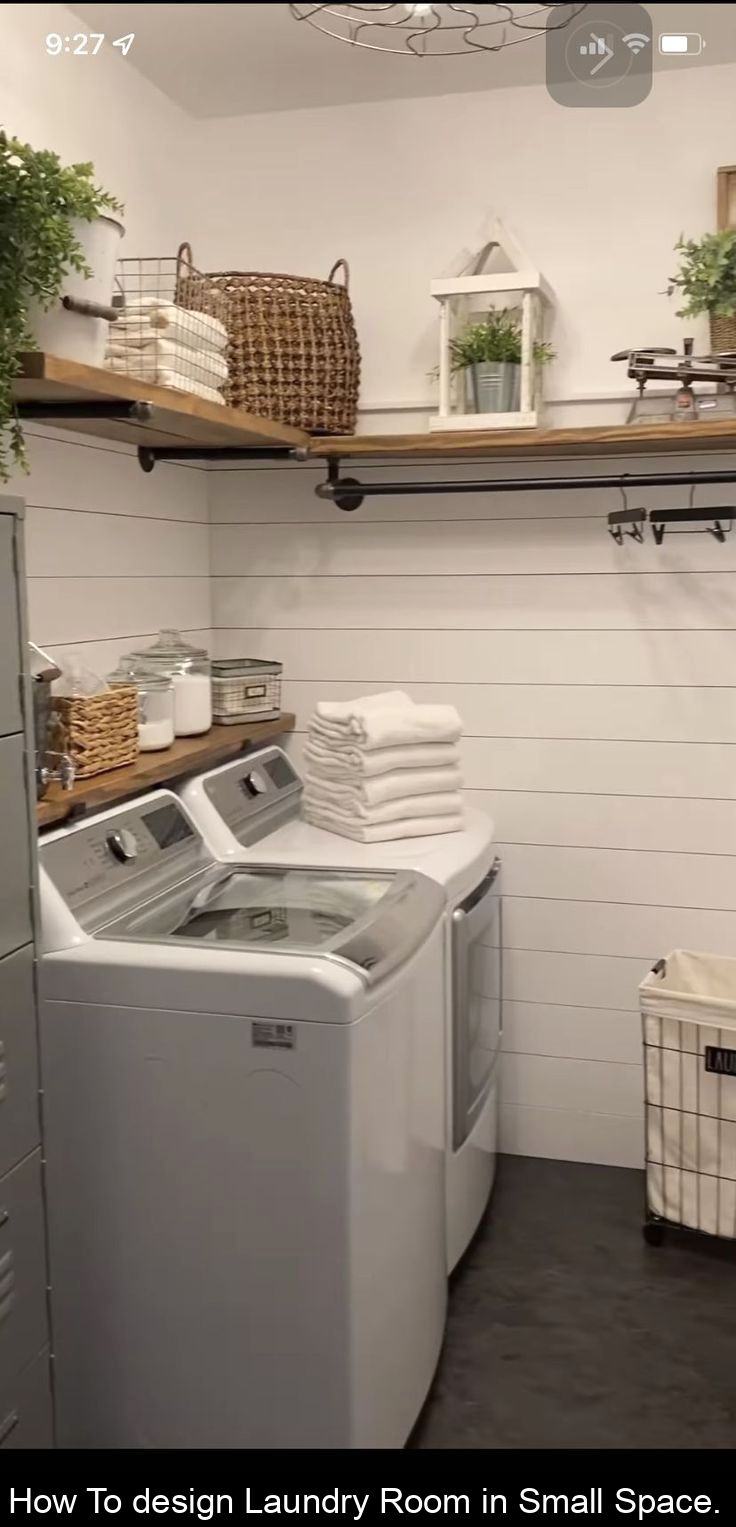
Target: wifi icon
x: 636, y: 41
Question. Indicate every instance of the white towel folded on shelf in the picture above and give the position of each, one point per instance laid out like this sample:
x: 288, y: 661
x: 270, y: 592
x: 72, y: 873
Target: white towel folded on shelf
x: 164, y: 378
x: 389, y: 726
x: 349, y: 762
x: 383, y: 832
x: 447, y: 804
x: 185, y: 324
x: 355, y: 793
x: 154, y: 352
x: 344, y: 711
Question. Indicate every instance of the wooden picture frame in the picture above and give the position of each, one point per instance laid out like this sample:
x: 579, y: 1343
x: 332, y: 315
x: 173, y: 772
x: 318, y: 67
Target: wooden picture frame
x: 726, y: 196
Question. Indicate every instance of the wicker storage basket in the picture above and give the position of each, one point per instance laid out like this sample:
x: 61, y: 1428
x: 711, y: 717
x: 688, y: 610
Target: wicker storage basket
x: 98, y: 732
x: 293, y: 353
x: 245, y: 689
x: 722, y: 333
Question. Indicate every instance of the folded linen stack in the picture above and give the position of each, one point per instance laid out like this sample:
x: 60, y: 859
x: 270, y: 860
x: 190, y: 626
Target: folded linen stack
x: 382, y: 767
x: 171, y: 346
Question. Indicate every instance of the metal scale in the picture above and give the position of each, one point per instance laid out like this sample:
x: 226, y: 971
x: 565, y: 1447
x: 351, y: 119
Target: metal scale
x: 685, y: 405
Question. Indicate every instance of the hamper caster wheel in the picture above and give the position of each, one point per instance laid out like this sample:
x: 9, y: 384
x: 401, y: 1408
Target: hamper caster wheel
x: 653, y: 1233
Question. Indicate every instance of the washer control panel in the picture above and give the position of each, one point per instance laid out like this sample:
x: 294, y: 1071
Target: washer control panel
x: 124, y: 857
x: 253, y: 794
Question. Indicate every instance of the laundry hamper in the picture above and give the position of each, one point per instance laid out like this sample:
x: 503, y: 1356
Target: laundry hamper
x: 688, y: 1007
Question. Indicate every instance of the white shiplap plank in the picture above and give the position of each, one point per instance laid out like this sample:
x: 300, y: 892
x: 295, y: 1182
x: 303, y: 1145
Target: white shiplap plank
x: 389, y: 657
x: 578, y: 1033
x: 572, y: 1135
x: 672, y: 714
x: 551, y: 1081
x: 619, y: 600
x: 72, y: 474
x: 510, y: 547
x: 610, y: 821
x: 67, y: 610
x: 633, y: 879
x: 577, y: 980
x: 285, y: 494
x: 64, y: 543
x: 701, y: 770
x: 593, y: 927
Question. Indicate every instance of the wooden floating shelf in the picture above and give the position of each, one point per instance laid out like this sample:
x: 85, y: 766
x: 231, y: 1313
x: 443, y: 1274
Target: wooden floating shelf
x: 188, y: 755
x: 181, y: 422
x: 533, y: 444
x: 179, y: 419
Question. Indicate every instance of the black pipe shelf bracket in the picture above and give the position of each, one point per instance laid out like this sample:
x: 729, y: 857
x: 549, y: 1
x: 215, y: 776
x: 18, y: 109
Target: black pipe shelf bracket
x: 148, y: 455
x: 135, y: 413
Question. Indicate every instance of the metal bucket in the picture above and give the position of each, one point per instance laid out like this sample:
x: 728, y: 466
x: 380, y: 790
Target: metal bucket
x: 496, y: 387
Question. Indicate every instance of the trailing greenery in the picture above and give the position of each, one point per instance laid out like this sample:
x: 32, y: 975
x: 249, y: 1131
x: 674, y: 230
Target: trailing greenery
x: 39, y: 198
x: 497, y: 337
x: 707, y: 274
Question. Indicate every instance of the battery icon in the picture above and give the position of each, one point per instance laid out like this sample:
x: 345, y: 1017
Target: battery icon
x: 680, y: 42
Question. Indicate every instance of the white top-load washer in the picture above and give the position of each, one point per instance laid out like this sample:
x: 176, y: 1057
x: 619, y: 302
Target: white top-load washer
x: 253, y: 806
x: 244, y: 1138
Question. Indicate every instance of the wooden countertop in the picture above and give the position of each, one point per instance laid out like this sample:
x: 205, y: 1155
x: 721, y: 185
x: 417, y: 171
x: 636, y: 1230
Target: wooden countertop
x: 188, y: 755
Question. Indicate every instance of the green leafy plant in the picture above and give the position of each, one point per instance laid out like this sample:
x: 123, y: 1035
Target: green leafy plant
x: 497, y: 337
x: 39, y: 199
x: 707, y: 274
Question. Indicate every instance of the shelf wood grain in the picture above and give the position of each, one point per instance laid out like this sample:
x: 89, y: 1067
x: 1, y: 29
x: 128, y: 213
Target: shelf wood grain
x: 534, y: 444
x: 189, y: 755
x: 178, y: 419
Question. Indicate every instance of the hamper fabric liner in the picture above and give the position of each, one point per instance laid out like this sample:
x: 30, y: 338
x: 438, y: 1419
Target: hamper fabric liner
x: 688, y: 1005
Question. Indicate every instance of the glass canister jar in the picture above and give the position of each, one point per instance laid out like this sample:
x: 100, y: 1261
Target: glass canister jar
x: 155, y: 703
x: 188, y: 668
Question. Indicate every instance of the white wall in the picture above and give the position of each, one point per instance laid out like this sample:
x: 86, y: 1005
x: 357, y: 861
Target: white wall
x: 596, y: 683
x: 112, y: 554
x: 401, y: 188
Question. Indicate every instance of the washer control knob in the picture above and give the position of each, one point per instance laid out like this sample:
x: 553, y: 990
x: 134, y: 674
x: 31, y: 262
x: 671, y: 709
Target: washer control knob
x: 254, y: 784
x: 122, y: 844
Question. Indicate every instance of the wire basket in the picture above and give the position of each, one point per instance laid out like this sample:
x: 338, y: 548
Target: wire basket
x: 171, y: 326
x: 245, y: 689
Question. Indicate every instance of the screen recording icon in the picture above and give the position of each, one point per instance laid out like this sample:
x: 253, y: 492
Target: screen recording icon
x: 602, y: 58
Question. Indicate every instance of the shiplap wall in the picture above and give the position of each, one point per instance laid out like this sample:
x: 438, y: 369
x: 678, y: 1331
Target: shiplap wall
x: 112, y: 553
x: 598, y: 690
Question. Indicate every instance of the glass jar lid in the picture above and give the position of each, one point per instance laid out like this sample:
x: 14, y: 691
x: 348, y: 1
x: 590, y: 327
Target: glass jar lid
x: 131, y: 671
x: 171, y: 653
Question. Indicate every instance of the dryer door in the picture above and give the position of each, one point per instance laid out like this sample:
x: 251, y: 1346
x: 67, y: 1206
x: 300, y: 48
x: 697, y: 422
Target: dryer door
x: 476, y: 1001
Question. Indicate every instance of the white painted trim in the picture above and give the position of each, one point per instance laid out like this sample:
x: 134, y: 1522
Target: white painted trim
x: 444, y: 423
x: 490, y: 282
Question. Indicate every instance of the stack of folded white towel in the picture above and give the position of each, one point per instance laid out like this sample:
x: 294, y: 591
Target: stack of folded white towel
x: 382, y: 767
x: 171, y: 346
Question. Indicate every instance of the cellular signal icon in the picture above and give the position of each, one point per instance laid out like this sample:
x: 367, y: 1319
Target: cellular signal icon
x: 636, y: 41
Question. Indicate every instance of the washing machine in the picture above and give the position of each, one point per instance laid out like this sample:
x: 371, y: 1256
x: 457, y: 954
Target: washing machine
x: 254, y: 804
x: 244, y: 1132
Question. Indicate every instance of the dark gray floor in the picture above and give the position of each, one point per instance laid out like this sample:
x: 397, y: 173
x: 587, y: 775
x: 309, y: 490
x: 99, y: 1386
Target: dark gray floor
x: 566, y: 1330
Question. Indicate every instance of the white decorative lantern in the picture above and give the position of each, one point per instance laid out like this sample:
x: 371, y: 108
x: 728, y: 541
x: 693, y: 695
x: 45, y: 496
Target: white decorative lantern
x: 493, y: 392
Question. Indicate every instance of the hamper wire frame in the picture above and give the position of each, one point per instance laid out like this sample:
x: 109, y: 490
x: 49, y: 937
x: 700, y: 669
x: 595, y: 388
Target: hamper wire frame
x: 171, y: 327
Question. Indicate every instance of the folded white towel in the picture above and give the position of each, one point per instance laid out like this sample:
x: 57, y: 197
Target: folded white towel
x: 390, y: 726
x: 355, y: 793
x: 355, y: 763
x: 165, y: 378
x: 152, y: 353
x: 384, y: 832
x: 345, y: 711
x: 178, y: 322
x: 447, y: 804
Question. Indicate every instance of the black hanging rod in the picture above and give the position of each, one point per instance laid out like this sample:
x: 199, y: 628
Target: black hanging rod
x: 348, y: 493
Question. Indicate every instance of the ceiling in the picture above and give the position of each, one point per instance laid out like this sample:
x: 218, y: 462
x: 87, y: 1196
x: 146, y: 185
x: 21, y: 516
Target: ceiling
x: 227, y: 60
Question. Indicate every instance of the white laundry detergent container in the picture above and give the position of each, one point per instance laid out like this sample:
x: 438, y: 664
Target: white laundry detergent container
x: 74, y: 335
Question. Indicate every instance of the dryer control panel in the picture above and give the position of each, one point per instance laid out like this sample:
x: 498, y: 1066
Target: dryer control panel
x: 112, y: 862
x: 256, y: 794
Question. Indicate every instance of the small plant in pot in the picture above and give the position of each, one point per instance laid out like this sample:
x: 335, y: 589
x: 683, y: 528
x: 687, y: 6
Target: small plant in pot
x: 707, y: 281
x: 44, y: 207
x: 489, y: 351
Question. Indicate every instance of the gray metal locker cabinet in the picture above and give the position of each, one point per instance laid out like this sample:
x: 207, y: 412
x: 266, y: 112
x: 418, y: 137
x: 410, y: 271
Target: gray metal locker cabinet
x: 25, y: 1388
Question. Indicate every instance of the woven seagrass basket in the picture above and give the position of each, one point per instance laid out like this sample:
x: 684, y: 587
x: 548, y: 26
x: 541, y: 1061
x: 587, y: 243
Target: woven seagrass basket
x: 293, y: 354
x: 98, y: 732
x: 722, y: 333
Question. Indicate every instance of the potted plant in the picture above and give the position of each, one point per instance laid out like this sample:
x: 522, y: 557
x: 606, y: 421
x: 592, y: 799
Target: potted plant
x: 46, y: 209
x: 489, y: 350
x: 707, y: 280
